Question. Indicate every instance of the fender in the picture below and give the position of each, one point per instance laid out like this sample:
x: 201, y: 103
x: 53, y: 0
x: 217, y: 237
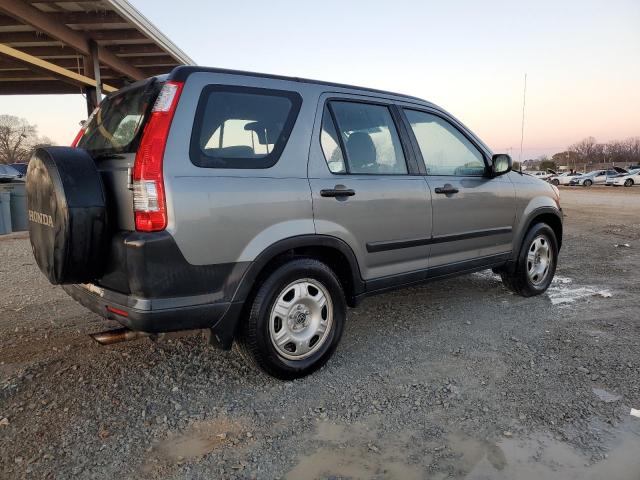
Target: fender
x: 526, y: 223
x: 292, y: 243
x: 224, y: 331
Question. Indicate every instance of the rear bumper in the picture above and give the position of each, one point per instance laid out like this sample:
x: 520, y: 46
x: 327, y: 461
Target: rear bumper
x: 149, y: 286
x: 160, y: 315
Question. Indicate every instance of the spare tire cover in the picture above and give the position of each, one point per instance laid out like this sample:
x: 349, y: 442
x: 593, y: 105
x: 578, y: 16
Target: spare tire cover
x: 67, y: 215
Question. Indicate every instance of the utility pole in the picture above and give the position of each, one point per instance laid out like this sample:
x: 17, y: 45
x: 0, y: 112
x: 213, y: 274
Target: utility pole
x: 524, y: 101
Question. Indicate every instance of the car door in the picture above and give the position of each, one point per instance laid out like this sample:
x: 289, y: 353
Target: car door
x: 473, y: 215
x: 600, y: 177
x: 366, y: 189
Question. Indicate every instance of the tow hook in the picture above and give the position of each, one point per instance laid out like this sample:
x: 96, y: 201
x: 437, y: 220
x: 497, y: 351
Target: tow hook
x: 109, y: 337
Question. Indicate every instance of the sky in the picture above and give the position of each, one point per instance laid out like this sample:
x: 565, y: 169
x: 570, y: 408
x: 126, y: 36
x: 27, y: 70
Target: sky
x: 582, y: 60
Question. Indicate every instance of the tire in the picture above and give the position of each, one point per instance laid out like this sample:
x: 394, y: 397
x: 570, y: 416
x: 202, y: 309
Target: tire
x: 628, y: 182
x: 517, y: 278
x: 259, y: 330
x: 587, y: 183
x: 67, y: 215
x: 555, y: 182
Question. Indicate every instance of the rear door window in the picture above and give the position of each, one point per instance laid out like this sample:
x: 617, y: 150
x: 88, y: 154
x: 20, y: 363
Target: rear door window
x: 368, y: 136
x: 242, y: 127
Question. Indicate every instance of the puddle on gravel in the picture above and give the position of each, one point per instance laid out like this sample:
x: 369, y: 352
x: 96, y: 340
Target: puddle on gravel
x: 355, y: 452
x: 352, y: 463
x: 199, y: 439
x: 543, y: 457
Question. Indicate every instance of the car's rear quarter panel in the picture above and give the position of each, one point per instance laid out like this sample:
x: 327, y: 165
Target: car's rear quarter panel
x: 220, y: 215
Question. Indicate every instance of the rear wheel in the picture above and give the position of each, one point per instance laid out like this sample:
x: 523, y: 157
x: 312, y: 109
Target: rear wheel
x: 628, y: 182
x: 295, y: 320
x: 536, y: 263
x: 587, y: 183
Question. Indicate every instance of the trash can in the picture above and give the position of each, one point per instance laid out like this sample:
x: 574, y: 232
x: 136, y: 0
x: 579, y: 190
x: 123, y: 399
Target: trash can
x: 5, y: 212
x: 19, y: 221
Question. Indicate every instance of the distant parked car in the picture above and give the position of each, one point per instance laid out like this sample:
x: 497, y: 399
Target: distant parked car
x: 8, y: 173
x: 629, y: 180
x: 540, y: 174
x: 597, y: 177
x: 20, y: 167
x: 621, y: 172
x: 563, y: 178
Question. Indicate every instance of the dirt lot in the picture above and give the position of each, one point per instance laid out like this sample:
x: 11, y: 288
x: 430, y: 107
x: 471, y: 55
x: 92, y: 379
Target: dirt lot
x: 458, y: 379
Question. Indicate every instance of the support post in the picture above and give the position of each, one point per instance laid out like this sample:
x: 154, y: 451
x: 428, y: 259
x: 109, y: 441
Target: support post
x: 89, y: 91
x: 93, y: 50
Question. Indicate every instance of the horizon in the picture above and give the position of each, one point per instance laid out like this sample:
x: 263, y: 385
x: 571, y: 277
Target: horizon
x: 582, y: 80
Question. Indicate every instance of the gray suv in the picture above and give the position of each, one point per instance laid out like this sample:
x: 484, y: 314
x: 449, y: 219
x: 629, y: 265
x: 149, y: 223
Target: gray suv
x: 259, y: 207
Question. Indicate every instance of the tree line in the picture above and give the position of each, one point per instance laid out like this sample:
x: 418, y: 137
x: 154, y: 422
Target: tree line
x: 589, y: 152
x: 18, y: 139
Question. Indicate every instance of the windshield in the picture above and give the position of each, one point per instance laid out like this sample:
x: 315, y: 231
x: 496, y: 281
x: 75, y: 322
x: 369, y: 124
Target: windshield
x: 115, y: 126
x: 7, y: 171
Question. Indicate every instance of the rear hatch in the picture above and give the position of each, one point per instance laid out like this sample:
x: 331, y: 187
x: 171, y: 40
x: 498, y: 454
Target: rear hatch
x: 111, y: 135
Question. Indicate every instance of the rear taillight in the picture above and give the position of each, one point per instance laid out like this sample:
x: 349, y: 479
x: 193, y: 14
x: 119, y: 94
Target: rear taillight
x: 83, y: 128
x: 149, y: 203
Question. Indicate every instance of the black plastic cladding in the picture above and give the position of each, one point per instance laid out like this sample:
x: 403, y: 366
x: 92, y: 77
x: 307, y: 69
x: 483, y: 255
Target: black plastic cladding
x: 150, y: 265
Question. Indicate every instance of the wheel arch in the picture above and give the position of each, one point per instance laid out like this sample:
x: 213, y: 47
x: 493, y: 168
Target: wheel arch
x: 549, y: 215
x: 332, y: 251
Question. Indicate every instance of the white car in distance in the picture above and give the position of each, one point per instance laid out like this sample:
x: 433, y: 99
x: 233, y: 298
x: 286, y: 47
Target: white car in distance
x: 563, y: 178
x: 629, y: 180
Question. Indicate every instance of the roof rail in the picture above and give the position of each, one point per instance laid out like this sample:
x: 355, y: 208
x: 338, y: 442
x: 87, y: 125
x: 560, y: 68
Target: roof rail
x: 181, y: 73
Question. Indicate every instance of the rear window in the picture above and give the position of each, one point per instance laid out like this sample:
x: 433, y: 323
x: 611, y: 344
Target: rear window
x: 116, y: 125
x: 242, y: 127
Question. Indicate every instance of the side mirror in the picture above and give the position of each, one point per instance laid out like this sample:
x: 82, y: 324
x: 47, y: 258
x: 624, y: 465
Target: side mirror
x: 501, y: 163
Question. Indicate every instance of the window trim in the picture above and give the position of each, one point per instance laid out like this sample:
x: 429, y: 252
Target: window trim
x: 198, y: 157
x: 407, y: 150
x: 462, y: 131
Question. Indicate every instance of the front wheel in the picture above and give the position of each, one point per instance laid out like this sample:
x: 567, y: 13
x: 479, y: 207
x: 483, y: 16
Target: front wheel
x: 587, y: 183
x: 536, y: 263
x: 295, y: 320
x: 555, y: 182
x: 628, y: 182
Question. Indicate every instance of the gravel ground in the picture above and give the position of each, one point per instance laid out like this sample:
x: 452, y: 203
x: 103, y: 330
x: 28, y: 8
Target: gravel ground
x: 457, y: 379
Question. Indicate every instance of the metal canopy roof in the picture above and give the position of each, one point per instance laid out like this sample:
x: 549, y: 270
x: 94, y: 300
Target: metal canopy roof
x: 49, y: 46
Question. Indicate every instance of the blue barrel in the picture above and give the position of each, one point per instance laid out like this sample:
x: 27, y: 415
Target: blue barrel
x: 19, y: 222
x: 5, y: 212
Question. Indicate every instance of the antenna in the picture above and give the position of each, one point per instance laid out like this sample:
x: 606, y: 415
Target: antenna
x: 524, y: 101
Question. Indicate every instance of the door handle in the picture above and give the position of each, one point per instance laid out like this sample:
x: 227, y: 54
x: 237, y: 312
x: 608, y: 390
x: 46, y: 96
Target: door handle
x: 338, y: 191
x: 447, y: 189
